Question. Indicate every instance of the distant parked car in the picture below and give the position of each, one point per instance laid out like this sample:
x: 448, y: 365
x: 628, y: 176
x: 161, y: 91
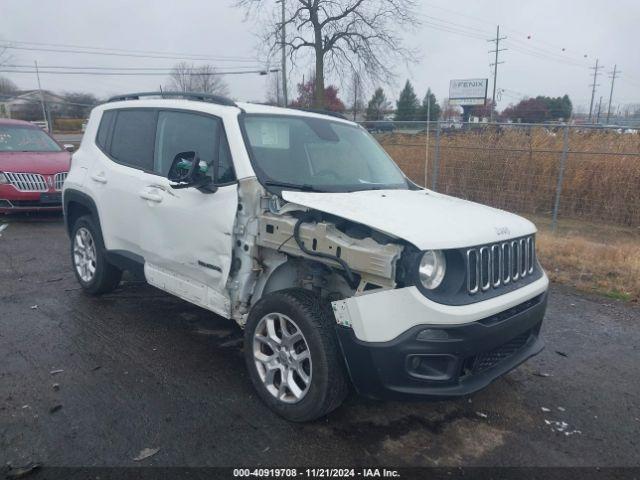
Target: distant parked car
x: 44, y: 125
x: 33, y: 167
x: 381, y: 126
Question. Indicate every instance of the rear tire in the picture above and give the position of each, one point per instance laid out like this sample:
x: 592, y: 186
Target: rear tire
x: 88, y: 257
x: 316, y: 381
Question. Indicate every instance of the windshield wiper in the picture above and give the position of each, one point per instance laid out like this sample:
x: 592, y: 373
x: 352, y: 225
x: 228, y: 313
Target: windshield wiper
x: 303, y: 187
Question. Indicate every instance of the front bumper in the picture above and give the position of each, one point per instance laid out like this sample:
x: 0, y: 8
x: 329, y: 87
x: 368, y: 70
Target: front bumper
x: 12, y: 200
x: 445, y: 360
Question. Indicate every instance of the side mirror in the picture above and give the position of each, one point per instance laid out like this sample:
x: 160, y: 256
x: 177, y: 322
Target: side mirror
x: 187, y: 170
x: 69, y: 147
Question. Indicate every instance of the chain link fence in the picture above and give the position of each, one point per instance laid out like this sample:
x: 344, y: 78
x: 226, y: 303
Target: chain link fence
x: 560, y: 172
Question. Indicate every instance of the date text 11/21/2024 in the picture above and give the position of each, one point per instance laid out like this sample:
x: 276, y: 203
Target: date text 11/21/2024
x: 316, y: 473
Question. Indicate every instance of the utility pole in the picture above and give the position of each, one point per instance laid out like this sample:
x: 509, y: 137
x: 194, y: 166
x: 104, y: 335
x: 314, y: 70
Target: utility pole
x: 44, y: 108
x: 426, y: 153
x: 356, y: 79
x: 593, y: 87
x: 599, y: 108
x: 613, y: 79
x: 283, y: 41
x: 495, y: 67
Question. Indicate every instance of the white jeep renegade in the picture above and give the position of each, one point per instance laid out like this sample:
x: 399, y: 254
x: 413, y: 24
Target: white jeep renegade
x: 298, y: 226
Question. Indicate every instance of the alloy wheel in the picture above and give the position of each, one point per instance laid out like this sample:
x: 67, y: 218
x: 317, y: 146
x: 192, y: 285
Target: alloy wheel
x: 282, y: 357
x: 84, y: 254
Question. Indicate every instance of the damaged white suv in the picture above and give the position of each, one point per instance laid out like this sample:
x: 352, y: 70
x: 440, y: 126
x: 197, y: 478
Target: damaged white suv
x: 299, y: 227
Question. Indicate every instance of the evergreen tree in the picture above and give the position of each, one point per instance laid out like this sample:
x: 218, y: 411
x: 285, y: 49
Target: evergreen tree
x: 566, y: 107
x: 434, y: 111
x: 377, y: 105
x: 407, y: 104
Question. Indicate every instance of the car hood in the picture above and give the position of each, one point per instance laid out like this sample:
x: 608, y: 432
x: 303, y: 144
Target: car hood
x: 426, y: 219
x: 46, y: 163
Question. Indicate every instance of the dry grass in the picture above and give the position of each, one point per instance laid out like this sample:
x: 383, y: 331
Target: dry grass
x: 517, y: 170
x: 609, y: 269
x: 594, y: 257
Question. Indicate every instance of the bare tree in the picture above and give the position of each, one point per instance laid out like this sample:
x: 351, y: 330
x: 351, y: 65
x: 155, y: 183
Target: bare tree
x: 181, y: 79
x: 187, y: 77
x: 342, y: 35
x: 7, y: 87
x: 355, y: 94
x: 208, y: 80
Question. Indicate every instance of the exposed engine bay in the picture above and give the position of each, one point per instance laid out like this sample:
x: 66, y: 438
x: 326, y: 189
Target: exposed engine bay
x: 284, y: 246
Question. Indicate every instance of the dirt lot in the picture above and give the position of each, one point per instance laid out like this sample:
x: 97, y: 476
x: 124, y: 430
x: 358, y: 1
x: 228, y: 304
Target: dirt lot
x: 140, y: 369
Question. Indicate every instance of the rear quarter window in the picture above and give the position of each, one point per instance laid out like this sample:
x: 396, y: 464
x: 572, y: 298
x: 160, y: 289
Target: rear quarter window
x: 106, y: 122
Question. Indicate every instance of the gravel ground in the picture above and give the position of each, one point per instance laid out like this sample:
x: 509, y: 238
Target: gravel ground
x: 140, y: 369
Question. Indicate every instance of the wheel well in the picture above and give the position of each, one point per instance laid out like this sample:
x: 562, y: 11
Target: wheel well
x: 307, y: 274
x: 74, y: 211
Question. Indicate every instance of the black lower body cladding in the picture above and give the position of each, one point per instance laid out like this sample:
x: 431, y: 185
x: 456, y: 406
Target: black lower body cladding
x: 439, y: 361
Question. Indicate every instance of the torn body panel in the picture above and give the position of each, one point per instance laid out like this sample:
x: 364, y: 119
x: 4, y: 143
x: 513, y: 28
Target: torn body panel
x: 267, y: 258
x: 246, y: 266
x: 375, y: 262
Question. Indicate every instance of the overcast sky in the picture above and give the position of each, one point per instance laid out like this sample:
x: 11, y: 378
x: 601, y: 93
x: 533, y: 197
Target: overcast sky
x: 535, y: 65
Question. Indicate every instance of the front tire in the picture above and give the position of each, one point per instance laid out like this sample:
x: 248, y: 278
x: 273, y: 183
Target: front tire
x: 293, y: 357
x: 88, y: 256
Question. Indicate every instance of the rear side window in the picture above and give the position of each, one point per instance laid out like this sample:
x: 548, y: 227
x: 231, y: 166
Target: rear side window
x: 134, y: 137
x: 105, y: 128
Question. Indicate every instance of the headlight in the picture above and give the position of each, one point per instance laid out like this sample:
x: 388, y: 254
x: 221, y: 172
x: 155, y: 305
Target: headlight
x: 432, y: 269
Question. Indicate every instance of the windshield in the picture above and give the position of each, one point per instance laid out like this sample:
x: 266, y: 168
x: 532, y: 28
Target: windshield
x: 317, y: 154
x: 25, y: 139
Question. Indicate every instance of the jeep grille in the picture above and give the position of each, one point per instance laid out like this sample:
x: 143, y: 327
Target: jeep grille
x: 499, y: 264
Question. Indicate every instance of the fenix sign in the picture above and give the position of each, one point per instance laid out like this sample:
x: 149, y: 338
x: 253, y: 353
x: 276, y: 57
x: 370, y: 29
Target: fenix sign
x: 471, y: 91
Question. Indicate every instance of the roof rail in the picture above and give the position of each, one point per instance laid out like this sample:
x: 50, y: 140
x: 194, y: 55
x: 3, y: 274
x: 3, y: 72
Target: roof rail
x: 202, y: 97
x: 321, y: 112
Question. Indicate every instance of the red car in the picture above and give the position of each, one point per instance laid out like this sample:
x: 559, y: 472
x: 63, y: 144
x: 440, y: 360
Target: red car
x: 33, y: 167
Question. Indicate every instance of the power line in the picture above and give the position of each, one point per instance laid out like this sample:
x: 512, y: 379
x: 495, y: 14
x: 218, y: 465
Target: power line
x: 168, y: 72
x: 164, y: 69
x: 495, y: 67
x: 515, y: 44
x: 128, y: 50
x: 458, y: 31
x: 462, y: 26
x: 522, y: 47
x: 593, y: 87
x: 120, y: 54
x: 491, y: 22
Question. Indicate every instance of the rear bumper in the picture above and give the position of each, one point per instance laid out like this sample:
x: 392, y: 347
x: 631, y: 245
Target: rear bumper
x: 445, y: 360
